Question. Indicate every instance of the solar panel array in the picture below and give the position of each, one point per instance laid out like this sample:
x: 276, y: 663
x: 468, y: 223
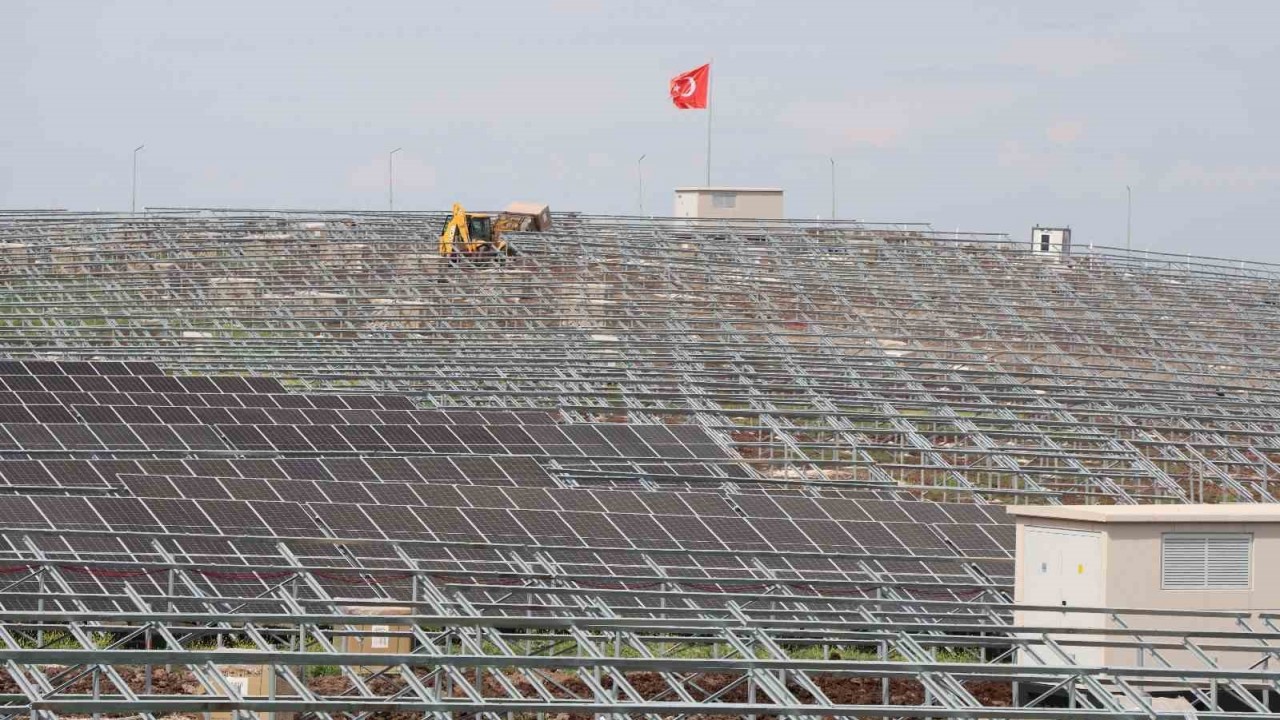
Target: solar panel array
x: 654, y: 435
x: 369, y: 485
x: 847, y: 352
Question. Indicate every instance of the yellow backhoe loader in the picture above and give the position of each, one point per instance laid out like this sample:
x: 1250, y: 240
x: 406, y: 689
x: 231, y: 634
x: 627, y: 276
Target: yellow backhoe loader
x: 479, y: 236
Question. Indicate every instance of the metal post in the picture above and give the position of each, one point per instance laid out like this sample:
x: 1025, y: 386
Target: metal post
x: 709, y: 123
x: 391, y: 180
x: 640, y: 181
x: 1128, y: 219
x: 833, y: 188
x: 133, y: 197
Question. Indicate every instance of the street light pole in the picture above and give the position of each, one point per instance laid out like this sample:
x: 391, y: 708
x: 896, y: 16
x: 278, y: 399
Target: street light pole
x: 391, y: 180
x: 833, y: 188
x: 133, y: 197
x: 1128, y: 219
x: 640, y: 181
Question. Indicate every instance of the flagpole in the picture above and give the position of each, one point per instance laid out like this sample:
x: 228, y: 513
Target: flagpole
x: 709, y: 62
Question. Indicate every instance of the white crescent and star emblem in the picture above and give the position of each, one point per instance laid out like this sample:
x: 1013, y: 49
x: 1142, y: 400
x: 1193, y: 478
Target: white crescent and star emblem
x: 690, y: 87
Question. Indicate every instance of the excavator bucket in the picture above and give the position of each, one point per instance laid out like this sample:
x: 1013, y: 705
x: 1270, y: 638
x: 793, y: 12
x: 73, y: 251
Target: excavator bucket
x: 539, y: 215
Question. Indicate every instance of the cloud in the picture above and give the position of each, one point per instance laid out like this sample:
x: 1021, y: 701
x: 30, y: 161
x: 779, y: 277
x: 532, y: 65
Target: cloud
x: 1064, y: 131
x: 1069, y: 173
x: 849, y: 123
x: 1191, y: 176
x: 576, y: 7
x: 892, y: 118
x: 1064, y: 56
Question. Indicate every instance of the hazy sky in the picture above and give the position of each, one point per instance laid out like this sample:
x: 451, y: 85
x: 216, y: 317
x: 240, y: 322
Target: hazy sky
x: 986, y: 115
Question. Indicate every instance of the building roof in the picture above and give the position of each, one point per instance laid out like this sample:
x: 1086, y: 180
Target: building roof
x: 724, y: 188
x: 1225, y: 512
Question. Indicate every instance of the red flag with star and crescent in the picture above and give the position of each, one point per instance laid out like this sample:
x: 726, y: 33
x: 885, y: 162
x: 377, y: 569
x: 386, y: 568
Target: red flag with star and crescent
x: 689, y: 90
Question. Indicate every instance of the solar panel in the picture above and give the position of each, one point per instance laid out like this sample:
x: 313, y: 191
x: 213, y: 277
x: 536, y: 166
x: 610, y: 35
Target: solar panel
x: 691, y: 533
x: 594, y: 528
x: 173, y: 416
x: 393, y: 493
x: 440, y: 438
x: 42, y: 367
x: 76, y: 368
x: 524, y: 471
x: 71, y: 513
x: 916, y: 536
x: 299, y: 491
x: 287, y: 416
x: 758, y: 506
x: 301, y: 469
x: 75, y: 437
x: 480, y: 469
x: 164, y: 384
x: 828, y: 535
x: 619, y: 501
x: 642, y: 531
x: 250, y: 416
x: 292, y: 401
x: 74, y: 473
x: 705, y: 503
x: 872, y: 535
x: 128, y: 514
x: 196, y: 384
x: 359, y: 417
x: 447, y: 523
x: 324, y: 438
x: 150, y: 486
x: 263, y: 384
x: 230, y: 384
x: 436, y: 468
x: 199, y: 487
x: 213, y: 415
x: 233, y: 517
x: 143, y: 368
x: 158, y: 437
x: 244, y: 437
x: 332, y: 402
x: 129, y: 384
x: 180, y: 515
x: 589, y: 441
x: 395, y: 402
x: 351, y: 470
x: 33, y: 437
x: 27, y: 472
x: 49, y: 414
x: 484, y: 496
x: 402, y: 438
x: 497, y: 525
x: 93, y: 414
x: 663, y: 503
x: 440, y: 495
x: 93, y: 384
x: 24, y: 383
x: 222, y: 400
x: 285, y: 438
x: 15, y: 414
x: 531, y: 498
x: 249, y: 489
x: 397, y: 523
x: 346, y: 520
x: 392, y: 469
x: 617, y: 437
x: 346, y: 492
x: 885, y: 511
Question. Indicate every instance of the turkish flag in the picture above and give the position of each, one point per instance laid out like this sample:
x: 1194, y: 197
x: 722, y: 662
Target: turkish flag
x: 689, y: 90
